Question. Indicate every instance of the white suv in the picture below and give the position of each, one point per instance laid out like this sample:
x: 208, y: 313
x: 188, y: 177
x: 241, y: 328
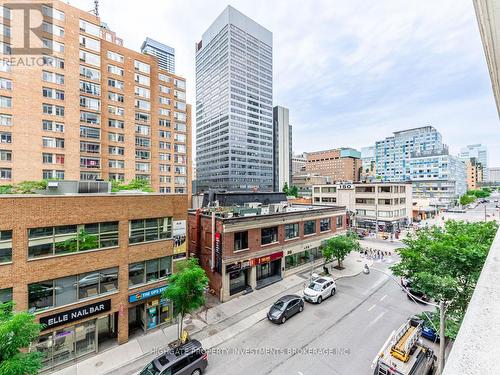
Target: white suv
x: 319, y: 289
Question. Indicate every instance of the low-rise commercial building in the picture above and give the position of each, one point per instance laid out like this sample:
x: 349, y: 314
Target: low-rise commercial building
x: 249, y: 247
x: 387, y: 203
x: 91, y: 267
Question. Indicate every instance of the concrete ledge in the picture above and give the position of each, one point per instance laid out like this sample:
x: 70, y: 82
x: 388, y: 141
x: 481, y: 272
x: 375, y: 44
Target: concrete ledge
x: 477, y: 349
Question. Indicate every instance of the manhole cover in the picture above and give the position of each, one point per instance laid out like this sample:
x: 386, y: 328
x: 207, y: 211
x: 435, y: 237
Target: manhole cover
x: 212, y: 332
x: 98, y: 364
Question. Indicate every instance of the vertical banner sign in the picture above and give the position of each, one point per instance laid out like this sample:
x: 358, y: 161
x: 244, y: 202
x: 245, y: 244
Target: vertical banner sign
x: 218, y: 252
x: 179, y: 236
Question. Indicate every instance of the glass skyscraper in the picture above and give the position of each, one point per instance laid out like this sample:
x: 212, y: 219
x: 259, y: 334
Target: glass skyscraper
x: 164, y: 53
x: 234, y: 113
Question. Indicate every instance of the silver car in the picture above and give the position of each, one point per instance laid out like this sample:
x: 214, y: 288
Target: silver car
x: 320, y: 289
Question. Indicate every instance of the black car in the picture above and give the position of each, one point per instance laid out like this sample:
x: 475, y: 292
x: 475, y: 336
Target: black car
x: 417, y: 294
x: 285, y: 308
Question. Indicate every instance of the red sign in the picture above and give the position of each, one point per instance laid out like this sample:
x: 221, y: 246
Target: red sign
x: 266, y: 259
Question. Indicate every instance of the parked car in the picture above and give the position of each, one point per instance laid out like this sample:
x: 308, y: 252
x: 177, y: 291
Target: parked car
x: 417, y: 294
x: 285, y: 308
x: 320, y: 289
x: 187, y: 359
x: 428, y: 330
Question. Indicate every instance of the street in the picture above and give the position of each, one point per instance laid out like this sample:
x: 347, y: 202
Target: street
x: 340, y: 336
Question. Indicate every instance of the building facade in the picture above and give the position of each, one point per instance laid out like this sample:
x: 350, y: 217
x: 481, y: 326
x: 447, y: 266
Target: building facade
x: 165, y: 54
x: 368, y: 163
x: 478, y: 152
x: 97, y: 110
x: 257, y: 245
x: 342, y: 164
x: 234, y: 98
x: 392, y: 155
x: 282, y: 148
x: 298, y: 164
x: 91, y: 267
x: 493, y: 174
x: 474, y: 174
x: 388, y: 204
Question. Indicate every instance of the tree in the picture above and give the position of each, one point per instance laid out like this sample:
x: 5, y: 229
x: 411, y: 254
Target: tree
x: 186, y: 288
x: 339, y: 247
x: 285, y: 188
x: 294, y: 190
x: 445, y: 263
x: 467, y: 199
x: 17, y: 331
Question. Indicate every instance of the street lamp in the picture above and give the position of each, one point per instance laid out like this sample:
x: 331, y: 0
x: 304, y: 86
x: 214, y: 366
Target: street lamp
x: 441, y: 307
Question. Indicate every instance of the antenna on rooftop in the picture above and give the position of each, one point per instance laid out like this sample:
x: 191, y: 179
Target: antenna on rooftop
x: 96, y: 8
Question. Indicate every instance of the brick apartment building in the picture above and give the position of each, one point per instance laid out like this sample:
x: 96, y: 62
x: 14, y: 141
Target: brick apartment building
x: 89, y: 266
x: 342, y: 164
x: 258, y: 244
x: 89, y: 108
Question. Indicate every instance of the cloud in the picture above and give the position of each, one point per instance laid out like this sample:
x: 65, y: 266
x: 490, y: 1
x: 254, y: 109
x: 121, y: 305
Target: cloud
x: 351, y: 72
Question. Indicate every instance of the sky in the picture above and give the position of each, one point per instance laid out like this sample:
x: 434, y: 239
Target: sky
x: 350, y: 72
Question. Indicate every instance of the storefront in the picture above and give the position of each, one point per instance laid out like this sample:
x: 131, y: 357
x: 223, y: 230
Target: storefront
x: 75, y: 341
x: 302, y: 257
x: 239, y: 276
x: 151, y: 311
x: 268, y: 269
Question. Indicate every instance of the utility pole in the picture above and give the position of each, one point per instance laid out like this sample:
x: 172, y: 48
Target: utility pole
x: 484, y: 212
x: 442, y: 338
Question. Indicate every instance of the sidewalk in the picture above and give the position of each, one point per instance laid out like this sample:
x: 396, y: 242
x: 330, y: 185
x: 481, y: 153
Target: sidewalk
x: 218, y: 324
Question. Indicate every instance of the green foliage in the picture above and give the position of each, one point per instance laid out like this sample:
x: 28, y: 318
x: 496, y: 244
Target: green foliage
x: 186, y: 288
x: 479, y: 193
x: 135, y: 184
x: 339, y: 247
x: 17, y: 331
x: 445, y: 263
x: 291, y: 191
x: 83, y: 241
x: 25, y: 187
x: 285, y: 188
x: 467, y: 199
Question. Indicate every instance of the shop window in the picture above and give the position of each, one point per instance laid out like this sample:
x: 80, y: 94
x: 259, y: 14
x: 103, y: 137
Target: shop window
x: 324, y: 225
x: 240, y: 240
x: 309, y: 227
x: 5, y: 246
x: 67, y: 239
x: 291, y: 231
x: 269, y: 235
x: 145, y: 230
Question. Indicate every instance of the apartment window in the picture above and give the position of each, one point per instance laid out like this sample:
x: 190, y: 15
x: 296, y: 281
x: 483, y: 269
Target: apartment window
x: 180, y: 95
x: 142, y: 129
x: 90, y: 118
x: 53, y: 142
x: 165, y: 180
x: 90, y: 73
x: 5, y: 66
x: 163, y: 112
x: 90, y: 28
x: 180, y: 106
x: 66, y: 290
x: 114, y: 150
x: 339, y: 221
x: 291, y: 231
x: 88, y: 132
x: 116, y: 137
x: 115, y: 56
x: 142, y: 142
x: 90, y: 147
x: 5, y: 173
x: 142, y: 80
x: 115, y: 70
x: 5, y: 295
x: 142, y: 104
x: 142, y: 167
x: 324, y: 225
x: 117, y: 164
x: 90, y: 43
x: 90, y: 58
x: 164, y: 134
x: 143, y: 155
x: 164, y: 78
x: 48, y: 92
x: 5, y: 247
x: 164, y: 145
x: 116, y: 83
x: 149, y: 271
x: 164, y: 168
x: 164, y: 89
x: 53, y: 45
x: 90, y: 103
x: 53, y: 12
x: 119, y: 111
x: 241, y: 240
x: 384, y: 189
x: 142, y: 92
x: 180, y: 116
x: 180, y: 138
x: 5, y: 120
x: 5, y: 102
x: 269, y: 235
x: 144, y: 230
x: 180, y: 148
x: 115, y: 97
x: 53, y: 77
x: 142, y: 67
x: 54, y: 62
x: 143, y: 117
x: 52, y: 126
x: 309, y: 227
x: 90, y: 88
x: 164, y: 101
x: 119, y: 124
x: 180, y: 127
x: 5, y: 84
x: 166, y: 157
x: 52, y: 175
x: 180, y: 84
x: 86, y: 162
x: 50, y: 109
x: 180, y: 159
x: 117, y: 176
x: 5, y: 155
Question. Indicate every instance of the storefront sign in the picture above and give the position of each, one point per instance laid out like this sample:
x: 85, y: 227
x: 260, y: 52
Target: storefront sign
x: 218, y: 252
x: 179, y: 236
x: 238, y: 266
x: 75, y: 314
x: 147, y: 294
x: 266, y: 259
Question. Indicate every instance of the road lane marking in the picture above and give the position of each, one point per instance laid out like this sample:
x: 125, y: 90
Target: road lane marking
x: 385, y: 295
x: 376, y: 319
x: 371, y: 308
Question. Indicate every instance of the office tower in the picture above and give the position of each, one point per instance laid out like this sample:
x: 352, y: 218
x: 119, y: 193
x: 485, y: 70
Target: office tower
x: 282, y: 159
x: 165, y: 54
x: 477, y: 151
x: 234, y: 96
x: 341, y: 164
x: 92, y: 109
x: 392, y: 154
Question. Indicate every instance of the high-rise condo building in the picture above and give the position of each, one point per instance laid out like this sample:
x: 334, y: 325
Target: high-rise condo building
x: 91, y: 108
x: 475, y: 174
x: 282, y: 162
x: 234, y: 97
x: 165, y: 54
x: 477, y: 151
